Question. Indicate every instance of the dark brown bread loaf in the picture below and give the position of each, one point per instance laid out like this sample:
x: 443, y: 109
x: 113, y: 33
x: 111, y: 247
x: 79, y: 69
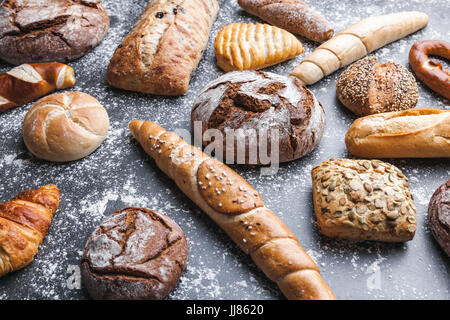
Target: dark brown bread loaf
x: 262, y: 101
x: 439, y: 216
x: 135, y: 254
x: 368, y: 87
x: 50, y: 30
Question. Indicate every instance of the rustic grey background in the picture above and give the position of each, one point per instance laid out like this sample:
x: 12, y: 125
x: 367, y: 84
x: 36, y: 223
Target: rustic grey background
x: 119, y: 174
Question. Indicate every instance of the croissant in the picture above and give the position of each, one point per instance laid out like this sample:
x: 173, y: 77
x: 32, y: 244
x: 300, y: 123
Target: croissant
x: 24, y: 222
x: 244, y: 46
x: 238, y: 209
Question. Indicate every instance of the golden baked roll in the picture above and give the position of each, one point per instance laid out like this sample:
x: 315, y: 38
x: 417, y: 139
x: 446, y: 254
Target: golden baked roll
x: 244, y: 46
x: 24, y: 222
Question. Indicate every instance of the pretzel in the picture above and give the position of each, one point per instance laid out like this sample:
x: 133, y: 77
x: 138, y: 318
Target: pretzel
x: 431, y: 71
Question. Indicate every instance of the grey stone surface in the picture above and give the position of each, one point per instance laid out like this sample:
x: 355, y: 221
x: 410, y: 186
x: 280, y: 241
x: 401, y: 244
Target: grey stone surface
x: 119, y: 174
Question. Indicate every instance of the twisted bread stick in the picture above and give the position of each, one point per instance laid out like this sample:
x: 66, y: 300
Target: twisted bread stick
x: 238, y: 209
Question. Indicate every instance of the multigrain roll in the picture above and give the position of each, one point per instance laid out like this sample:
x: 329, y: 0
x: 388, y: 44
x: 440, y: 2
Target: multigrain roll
x: 65, y: 126
x: 249, y: 106
x: 369, y: 87
x: 414, y: 133
x: 136, y: 254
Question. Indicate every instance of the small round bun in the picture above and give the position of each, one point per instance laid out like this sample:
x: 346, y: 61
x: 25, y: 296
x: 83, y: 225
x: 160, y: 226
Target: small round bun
x: 369, y: 87
x: 65, y: 126
x: 136, y: 254
x: 253, y: 106
x: 439, y: 216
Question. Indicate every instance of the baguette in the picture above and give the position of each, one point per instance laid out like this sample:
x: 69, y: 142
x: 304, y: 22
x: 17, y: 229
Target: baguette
x: 414, y: 133
x: 356, y: 42
x: 292, y: 15
x: 165, y: 46
x: 237, y: 208
x: 28, y: 82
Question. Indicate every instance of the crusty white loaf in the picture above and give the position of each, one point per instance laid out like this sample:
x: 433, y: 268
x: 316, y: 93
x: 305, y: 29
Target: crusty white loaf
x: 65, y: 127
x: 357, y: 41
x: 165, y: 46
x: 414, y: 133
x: 237, y: 208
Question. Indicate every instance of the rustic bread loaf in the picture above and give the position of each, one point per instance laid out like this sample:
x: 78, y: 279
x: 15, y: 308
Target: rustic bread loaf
x: 237, y: 208
x: 244, y: 46
x: 164, y: 48
x: 50, y: 30
x: 292, y: 15
x: 136, y: 254
x: 414, y: 133
x: 24, y: 222
x: 356, y: 42
x: 439, y: 216
x: 368, y: 87
x: 257, y: 104
x: 363, y: 200
x: 65, y: 126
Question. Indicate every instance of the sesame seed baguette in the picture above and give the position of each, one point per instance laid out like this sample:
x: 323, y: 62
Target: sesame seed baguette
x: 238, y: 209
x: 413, y: 133
x: 356, y: 42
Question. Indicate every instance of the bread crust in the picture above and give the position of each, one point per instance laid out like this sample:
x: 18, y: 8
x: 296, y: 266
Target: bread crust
x: 439, y: 216
x: 177, y: 44
x: 414, y: 133
x: 257, y: 231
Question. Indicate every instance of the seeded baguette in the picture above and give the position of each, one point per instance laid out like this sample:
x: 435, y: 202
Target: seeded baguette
x: 164, y: 48
x: 414, y: 133
x: 356, y: 42
x: 238, y: 209
x: 363, y: 200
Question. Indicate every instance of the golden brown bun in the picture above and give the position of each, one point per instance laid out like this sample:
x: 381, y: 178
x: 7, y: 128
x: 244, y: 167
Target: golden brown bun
x: 237, y: 208
x: 65, y: 127
x: 241, y: 46
x: 414, y: 133
x: 24, y: 222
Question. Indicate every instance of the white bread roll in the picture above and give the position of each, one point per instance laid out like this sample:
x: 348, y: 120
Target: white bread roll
x: 414, y: 133
x: 65, y: 127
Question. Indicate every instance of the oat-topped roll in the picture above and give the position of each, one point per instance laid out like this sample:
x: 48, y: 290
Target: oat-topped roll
x: 165, y: 46
x: 363, y: 200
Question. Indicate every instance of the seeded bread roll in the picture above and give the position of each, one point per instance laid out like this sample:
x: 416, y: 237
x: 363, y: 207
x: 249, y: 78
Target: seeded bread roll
x: 249, y: 106
x: 164, y: 47
x: 414, y: 133
x: 136, y: 254
x: 439, y: 216
x: 368, y: 87
x: 50, y: 30
x: 363, y: 200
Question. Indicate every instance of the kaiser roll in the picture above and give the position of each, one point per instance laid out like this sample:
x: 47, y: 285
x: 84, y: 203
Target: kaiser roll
x: 65, y: 126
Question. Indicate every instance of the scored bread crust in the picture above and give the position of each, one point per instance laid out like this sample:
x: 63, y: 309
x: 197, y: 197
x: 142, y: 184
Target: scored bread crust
x: 164, y: 47
x: 244, y: 46
x: 414, y: 133
x: 237, y: 208
x: 357, y: 41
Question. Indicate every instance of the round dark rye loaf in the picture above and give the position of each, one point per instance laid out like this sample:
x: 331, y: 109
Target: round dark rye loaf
x: 135, y: 254
x: 261, y: 102
x: 50, y: 30
x: 439, y: 216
